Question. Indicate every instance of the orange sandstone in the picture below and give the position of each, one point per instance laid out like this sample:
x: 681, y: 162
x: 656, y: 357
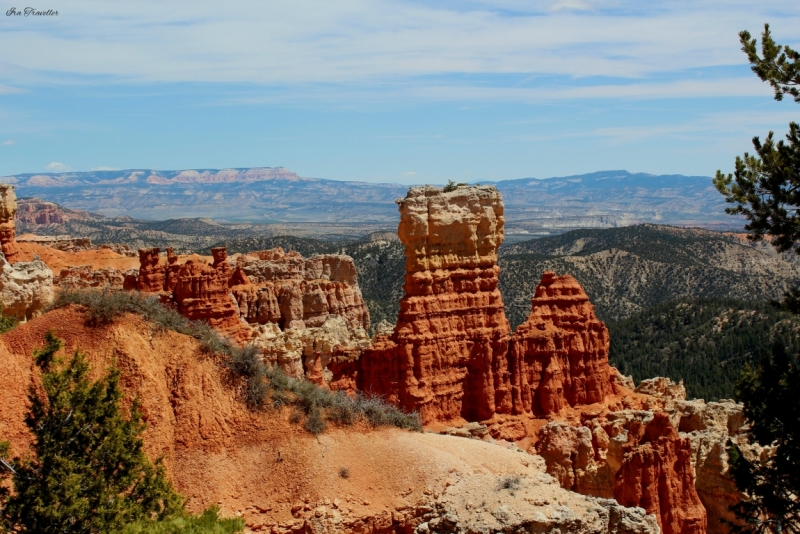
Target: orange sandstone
x: 8, y: 210
x: 559, y: 355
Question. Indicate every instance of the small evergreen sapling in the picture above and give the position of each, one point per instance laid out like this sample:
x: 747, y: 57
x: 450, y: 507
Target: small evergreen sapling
x: 88, y: 472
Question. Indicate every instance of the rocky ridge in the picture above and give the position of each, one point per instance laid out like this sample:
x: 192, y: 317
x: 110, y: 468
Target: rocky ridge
x: 306, y: 316
x: 282, y: 480
x: 548, y: 387
x: 597, y: 435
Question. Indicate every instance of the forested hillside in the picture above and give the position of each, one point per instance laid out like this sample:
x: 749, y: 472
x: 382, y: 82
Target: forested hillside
x: 627, y: 270
x: 704, y: 342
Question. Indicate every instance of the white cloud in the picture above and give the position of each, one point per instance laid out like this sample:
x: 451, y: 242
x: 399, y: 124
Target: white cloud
x: 369, y: 46
x: 577, y: 5
x: 8, y: 90
x: 56, y: 166
x: 410, y: 173
x: 8, y: 143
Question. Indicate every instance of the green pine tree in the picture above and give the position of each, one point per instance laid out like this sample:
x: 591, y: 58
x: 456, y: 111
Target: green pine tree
x: 87, y: 472
x: 770, y: 405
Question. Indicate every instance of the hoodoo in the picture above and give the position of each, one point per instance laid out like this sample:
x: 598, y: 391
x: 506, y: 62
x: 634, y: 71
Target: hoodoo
x: 450, y: 354
x: 559, y: 355
x: 656, y: 474
x: 447, y: 356
x: 8, y: 229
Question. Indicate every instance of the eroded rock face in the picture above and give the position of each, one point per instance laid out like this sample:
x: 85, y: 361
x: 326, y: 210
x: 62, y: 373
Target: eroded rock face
x: 447, y: 356
x: 656, y: 474
x: 326, y: 355
x: 83, y: 276
x: 26, y: 288
x: 663, y: 388
x: 709, y: 427
x: 33, y: 212
x: 202, y: 294
x: 559, y: 355
x: 8, y: 210
x: 152, y: 274
x: 305, y: 291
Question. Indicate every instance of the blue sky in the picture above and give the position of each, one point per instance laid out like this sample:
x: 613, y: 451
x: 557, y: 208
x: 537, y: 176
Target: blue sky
x: 392, y: 91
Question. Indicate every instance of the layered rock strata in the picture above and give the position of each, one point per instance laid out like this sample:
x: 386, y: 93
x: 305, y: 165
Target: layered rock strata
x: 447, y: 357
x: 152, y: 274
x: 656, y: 474
x: 299, y: 292
x: 26, y: 288
x: 559, y: 355
x: 202, y: 294
x: 84, y: 276
x: 8, y: 210
x: 306, y: 316
x: 450, y: 354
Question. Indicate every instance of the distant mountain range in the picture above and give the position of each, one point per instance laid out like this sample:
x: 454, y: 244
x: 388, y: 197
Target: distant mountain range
x: 604, y: 199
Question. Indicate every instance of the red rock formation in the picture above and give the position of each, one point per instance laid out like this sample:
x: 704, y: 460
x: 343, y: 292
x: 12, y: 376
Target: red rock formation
x: 171, y: 275
x: 656, y: 474
x: 559, y: 355
x: 83, y: 276
x: 306, y: 291
x: 202, y: 294
x: 447, y: 357
x: 41, y: 213
x: 152, y: 274
x: 8, y: 209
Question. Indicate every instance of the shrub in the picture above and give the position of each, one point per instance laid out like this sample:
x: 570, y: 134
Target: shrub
x: 88, y: 473
x: 258, y: 382
x: 6, y: 322
x: 208, y: 522
x: 452, y: 186
x: 315, y: 423
x: 510, y: 482
x: 344, y: 472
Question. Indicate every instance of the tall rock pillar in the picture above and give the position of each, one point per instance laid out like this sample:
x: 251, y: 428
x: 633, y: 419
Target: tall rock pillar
x: 447, y: 356
x: 8, y: 229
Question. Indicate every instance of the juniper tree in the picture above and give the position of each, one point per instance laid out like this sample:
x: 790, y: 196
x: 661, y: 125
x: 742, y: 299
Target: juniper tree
x: 87, y: 471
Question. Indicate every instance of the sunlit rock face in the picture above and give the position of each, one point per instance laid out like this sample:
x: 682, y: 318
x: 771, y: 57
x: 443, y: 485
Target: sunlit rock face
x: 447, y: 356
x: 559, y: 355
x: 8, y: 229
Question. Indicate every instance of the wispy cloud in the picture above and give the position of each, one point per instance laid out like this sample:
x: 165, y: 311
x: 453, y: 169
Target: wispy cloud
x: 578, y: 5
x: 104, y: 169
x: 8, y: 143
x: 8, y: 90
x: 399, y: 44
x: 57, y: 166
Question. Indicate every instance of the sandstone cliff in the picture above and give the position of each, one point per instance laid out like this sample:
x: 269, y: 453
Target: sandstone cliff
x: 282, y: 480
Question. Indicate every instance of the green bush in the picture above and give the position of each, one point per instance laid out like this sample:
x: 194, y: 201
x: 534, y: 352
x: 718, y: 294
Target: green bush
x: 88, y: 472
x: 208, y: 522
x: 316, y: 406
x: 6, y: 322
